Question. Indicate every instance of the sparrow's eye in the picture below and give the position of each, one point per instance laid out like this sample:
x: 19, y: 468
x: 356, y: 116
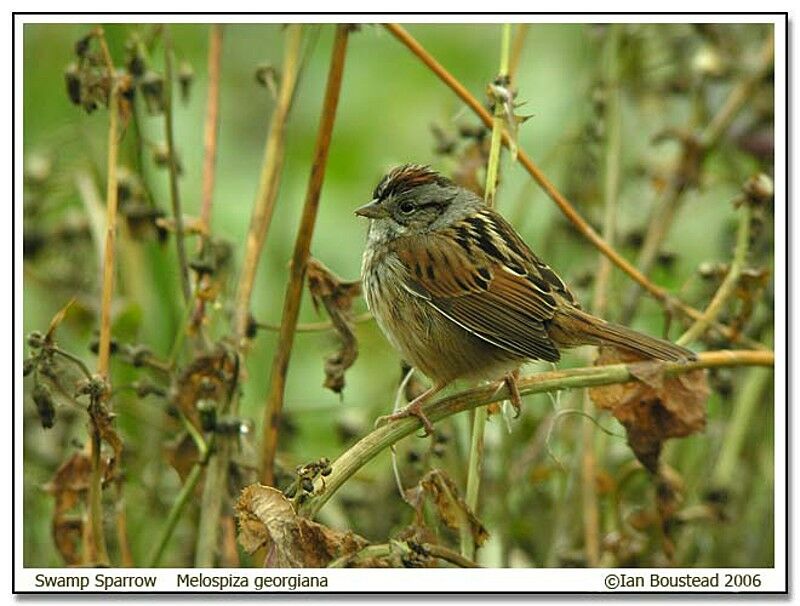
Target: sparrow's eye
x: 406, y: 208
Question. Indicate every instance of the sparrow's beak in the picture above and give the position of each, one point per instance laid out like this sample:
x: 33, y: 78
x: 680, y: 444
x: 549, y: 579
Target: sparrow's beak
x: 371, y: 210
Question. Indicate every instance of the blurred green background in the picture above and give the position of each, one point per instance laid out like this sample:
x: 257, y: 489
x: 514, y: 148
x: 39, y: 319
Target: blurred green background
x: 530, y: 499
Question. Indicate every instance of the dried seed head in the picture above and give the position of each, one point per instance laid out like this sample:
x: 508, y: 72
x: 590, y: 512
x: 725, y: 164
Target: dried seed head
x: 185, y: 80
x: 82, y: 45
x: 45, y: 406
x: 759, y: 189
x: 72, y: 80
x: 35, y: 339
x: 152, y: 87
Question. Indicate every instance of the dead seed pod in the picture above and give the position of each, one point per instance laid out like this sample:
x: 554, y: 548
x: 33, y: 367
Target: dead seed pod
x: 45, y: 406
x: 267, y: 76
x: 161, y: 157
x: 82, y: 45
x: 207, y: 409
x: 185, y: 80
x: 152, y: 87
x: 72, y: 80
x: 135, y: 62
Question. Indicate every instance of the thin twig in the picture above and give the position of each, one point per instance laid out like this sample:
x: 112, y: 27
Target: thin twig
x: 475, y: 461
x: 314, y: 326
x: 96, y: 552
x: 516, y: 49
x: 269, y: 180
x: 177, y: 507
x: 210, y: 132
x: 294, y: 288
x: 755, y: 383
x: 174, y: 193
x: 728, y: 286
x: 211, y: 128
x: 613, y: 155
x: 126, y: 556
x: 381, y: 438
x: 659, y: 293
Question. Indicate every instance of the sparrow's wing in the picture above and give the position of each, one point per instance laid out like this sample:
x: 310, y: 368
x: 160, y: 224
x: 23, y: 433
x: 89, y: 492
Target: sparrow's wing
x: 481, y: 275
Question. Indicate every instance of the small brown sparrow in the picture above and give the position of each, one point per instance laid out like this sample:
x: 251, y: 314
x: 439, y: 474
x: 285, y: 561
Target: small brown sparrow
x: 460, y: 295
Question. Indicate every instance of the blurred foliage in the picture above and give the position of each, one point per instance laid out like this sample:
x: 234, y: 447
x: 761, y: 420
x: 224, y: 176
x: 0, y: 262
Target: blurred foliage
x: 672, y: 76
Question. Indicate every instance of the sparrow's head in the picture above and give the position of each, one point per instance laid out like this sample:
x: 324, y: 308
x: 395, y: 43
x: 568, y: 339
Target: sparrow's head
x: 412, y: 198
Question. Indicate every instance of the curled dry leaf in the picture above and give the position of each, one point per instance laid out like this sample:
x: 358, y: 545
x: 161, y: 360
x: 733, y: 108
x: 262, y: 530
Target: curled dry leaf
x: 655, y: 407
x: 209, y: 376
x: 69, y: 486
x: 337, y: 298
x: 451, y: 507
x: 268, y: 520
x: 181, y: 453
x: 103, y: 420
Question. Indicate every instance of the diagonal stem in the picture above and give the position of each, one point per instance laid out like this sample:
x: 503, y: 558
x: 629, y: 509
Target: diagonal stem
x: 269, y: 179
x: 174, y: 192
x: 294, y: 288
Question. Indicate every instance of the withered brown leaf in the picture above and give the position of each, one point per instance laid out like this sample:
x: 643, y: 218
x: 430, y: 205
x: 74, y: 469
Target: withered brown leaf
x: 69, y: 486
x: 451, y: 507
x: 655, y: 407
x: 209, y: 376
x: 336, y: 296
x: 267, y: 519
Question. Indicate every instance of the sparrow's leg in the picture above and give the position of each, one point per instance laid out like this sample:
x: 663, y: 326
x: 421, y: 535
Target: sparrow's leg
x: 414, y: 409
x: 513, y: 391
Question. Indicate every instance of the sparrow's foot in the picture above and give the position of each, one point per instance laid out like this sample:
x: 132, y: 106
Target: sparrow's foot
x: 513, y: 392
x: 412, y: 410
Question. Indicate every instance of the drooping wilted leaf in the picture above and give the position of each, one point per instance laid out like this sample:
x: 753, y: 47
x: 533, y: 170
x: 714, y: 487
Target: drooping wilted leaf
x: 56, y: 321
x: 450, y: 506
x: 268, y: 520
x: 69, y: 487
x: 210, y: 377
x: 655, y: 407
x: 181, y: 453
x: 337, y: 298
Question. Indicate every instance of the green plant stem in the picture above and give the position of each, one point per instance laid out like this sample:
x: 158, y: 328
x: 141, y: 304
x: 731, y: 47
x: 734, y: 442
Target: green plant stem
x: 381, y: 438
x: 95, y: 552
x: 97, y: 543
x: 728, y: 286
x: 474, y: 471
x: 314, y: 326
x: 269, y: 179
x: 613, y: 156
x: 74, y: 359
x: 210, y: 136
x: 174, y: 193
x: 177, y: 507
x: 475, y: 462
x: 294, y: 287
x: 756, y: 382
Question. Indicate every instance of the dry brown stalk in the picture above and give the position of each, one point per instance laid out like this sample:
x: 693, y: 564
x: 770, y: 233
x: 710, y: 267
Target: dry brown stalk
x: 95, y: 552
x: 294, y: 288
x: 269, y: 180
x: 210, y: 132
x: 211, y: 128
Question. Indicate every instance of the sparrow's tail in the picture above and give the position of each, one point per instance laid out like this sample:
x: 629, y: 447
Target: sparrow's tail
x: 575, y: 327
